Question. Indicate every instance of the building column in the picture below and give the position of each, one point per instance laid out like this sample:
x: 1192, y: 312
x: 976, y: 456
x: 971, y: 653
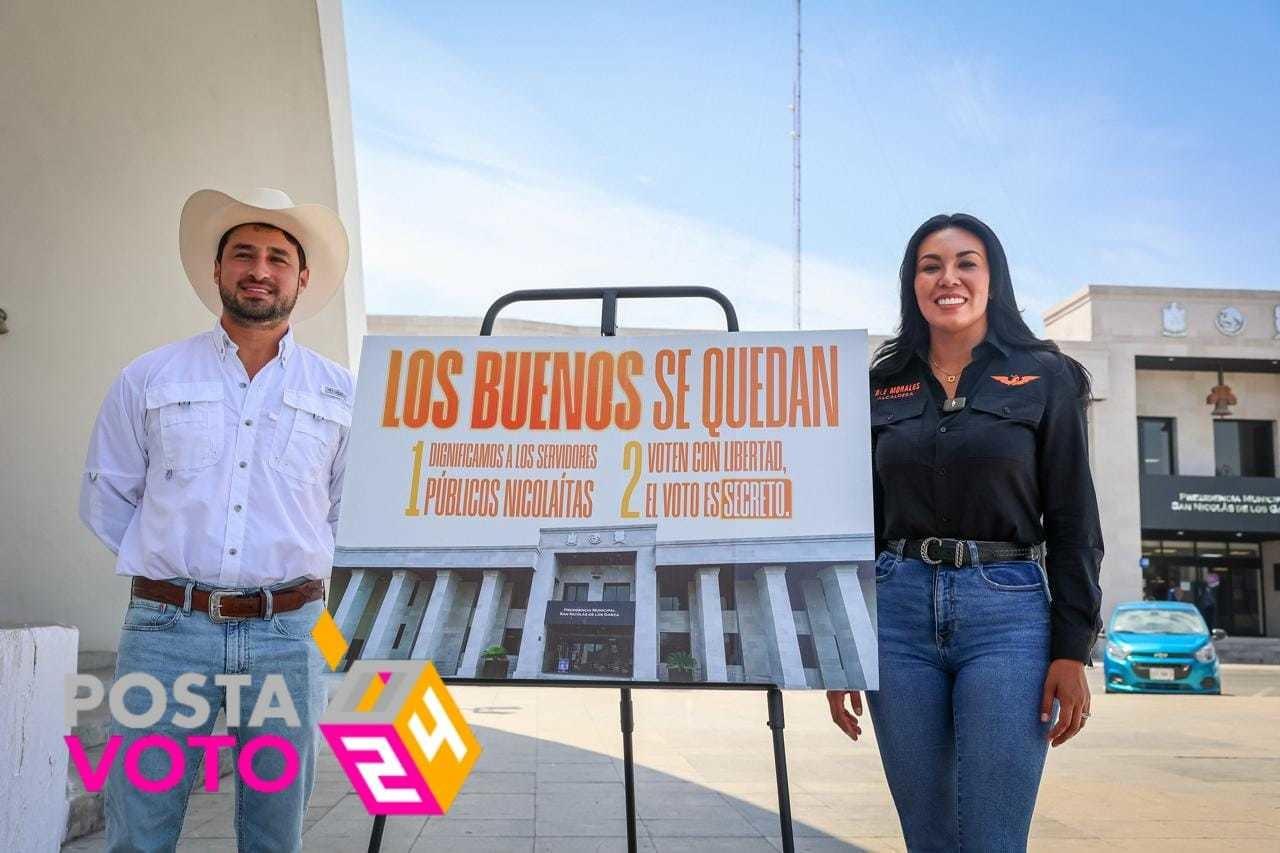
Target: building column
x: 533, y: 639
x: 413, y: 613
x: 711, y: 625
x: 1113, y: 452
x: 481, y: 623
x: 823, y: 630
x: 780, y: 626
x: 847, y: 592
x: 355, y: 598
x: 427, y: 644
x: 390, y: 615
x: 644, y: 651
x: 751, y: 634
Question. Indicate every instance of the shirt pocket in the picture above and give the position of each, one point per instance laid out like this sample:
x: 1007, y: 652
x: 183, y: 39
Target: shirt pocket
x: 185, y: 419
x: 895, y: 429
x: 1025, y: 410
x: 307, y: 435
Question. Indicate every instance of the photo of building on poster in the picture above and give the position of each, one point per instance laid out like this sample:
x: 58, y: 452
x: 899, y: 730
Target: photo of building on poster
x: 680, y: 508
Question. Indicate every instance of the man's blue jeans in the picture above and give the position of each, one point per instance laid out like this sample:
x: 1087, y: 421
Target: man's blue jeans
x: 164, y: 641
x: 963, y: 658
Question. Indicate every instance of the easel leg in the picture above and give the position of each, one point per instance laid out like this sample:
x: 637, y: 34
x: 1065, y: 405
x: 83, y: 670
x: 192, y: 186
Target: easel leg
x: 628, y: 768
x: 776, y: 724
x: 375, y: 837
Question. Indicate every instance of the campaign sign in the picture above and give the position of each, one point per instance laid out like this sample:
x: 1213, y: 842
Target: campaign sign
x: 683, y: 508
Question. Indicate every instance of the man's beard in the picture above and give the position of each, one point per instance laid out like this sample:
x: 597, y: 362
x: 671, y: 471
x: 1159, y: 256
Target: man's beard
x: 257, y: 313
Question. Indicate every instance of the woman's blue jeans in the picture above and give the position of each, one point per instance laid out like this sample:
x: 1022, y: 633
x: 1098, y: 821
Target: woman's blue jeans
x: 963, y: 657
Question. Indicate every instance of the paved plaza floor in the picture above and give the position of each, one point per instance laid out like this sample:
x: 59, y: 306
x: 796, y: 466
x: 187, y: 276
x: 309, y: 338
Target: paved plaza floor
x: 1150, y: 773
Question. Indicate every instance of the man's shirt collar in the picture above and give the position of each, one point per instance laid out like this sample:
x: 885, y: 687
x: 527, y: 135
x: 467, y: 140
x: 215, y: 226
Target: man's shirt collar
x: 223, y: 344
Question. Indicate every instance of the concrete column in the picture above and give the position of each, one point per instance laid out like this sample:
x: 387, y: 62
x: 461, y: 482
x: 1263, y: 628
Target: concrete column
x: 354, y: 600
x: 427, y: 644
x: 824, y: 635
x: 481, y: 622
x: 850, y: 596
x: 533, y: 639
x: 390, y: 615
x: 751, y: 634
x: 779, y: 626
x: 711, y: 625
x: 644, y: 653
x: 695, y: 620
x: 413, y: 614
x: 1113, y: 451
x: 35, y: 661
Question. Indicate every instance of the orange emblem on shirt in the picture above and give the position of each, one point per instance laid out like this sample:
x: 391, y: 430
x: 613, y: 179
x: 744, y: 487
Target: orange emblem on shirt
x: 1015, y: 380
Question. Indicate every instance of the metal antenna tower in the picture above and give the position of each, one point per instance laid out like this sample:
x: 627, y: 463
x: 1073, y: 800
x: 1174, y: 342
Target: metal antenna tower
x: 795, y: 173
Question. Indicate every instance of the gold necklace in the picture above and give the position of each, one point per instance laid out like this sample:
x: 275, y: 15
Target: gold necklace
x: 951, y: 378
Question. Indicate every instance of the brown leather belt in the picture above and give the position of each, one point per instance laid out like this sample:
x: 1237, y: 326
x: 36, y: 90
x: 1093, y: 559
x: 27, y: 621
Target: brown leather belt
x: 223, y: 606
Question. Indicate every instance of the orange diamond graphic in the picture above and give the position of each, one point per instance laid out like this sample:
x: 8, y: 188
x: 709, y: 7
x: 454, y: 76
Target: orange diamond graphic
x: 329, y: 639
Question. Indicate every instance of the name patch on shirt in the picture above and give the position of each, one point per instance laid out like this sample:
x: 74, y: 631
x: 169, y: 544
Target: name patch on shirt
x: 333, y: 392
x: 1015, y: 380
x: 897, y: 392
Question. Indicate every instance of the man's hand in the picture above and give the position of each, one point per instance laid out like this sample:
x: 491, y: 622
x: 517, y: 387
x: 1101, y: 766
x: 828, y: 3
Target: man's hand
x: 1065, y: 682
x: 840, y: 715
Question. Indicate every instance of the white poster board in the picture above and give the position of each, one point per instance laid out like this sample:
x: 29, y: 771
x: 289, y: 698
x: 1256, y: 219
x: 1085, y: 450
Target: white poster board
x: 703, y: 502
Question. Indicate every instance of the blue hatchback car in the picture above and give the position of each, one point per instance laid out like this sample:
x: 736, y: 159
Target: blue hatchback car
x: 1161, y: 647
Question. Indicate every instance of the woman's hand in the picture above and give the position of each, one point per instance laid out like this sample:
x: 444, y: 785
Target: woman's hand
x: 840, y: 715
x: 1065, y: 682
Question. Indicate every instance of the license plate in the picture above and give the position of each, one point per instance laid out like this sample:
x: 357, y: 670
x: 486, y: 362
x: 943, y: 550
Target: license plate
x: 1161, y: 673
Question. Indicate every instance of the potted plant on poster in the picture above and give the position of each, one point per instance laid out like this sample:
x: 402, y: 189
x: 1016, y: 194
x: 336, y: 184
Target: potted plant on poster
x: 495, y: 662
x: 680, y: 666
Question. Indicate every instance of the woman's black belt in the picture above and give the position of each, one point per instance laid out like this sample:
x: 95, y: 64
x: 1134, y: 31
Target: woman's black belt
x: 956, y: 552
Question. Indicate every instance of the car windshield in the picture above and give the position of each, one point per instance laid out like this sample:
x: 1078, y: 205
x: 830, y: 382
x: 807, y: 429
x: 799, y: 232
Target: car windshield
x: 1159, y: 622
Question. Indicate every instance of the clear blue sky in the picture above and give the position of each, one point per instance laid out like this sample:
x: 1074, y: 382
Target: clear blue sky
x: 505, y: 145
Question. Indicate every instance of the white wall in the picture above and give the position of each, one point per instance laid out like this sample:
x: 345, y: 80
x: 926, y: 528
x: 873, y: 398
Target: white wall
x: 1181, y: 394
x: 111, y: 115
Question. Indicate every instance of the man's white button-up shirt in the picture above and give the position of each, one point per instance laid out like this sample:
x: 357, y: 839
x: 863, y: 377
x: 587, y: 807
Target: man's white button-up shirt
x: 197, y: 472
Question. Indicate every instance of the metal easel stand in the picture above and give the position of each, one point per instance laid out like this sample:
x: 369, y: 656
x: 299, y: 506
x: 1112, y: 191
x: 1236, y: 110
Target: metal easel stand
x: 609, y: 297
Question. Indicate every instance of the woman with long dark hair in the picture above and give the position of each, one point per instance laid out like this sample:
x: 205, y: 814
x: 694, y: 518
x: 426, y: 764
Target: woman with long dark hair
x: 989, y: 548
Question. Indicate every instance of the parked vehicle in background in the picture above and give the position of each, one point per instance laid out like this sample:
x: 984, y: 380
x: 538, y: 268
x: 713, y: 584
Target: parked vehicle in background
x: 1161, y: 647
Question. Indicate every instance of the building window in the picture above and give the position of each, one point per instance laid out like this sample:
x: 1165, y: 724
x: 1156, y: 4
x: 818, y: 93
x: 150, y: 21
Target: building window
x: 727, y: 599
x: 1243, y: 449
x: 808, y: 652
x: 617, y: 592
x: 673, y: 590
x: 795, y: 589
x: 511, y: 640
x: 575, y: 592
x: 399, y: 637
x: 1156, y: 446
x: 413, y: 593
x: 520, y: 592
x: 732, y: 650
x: 669, y: 642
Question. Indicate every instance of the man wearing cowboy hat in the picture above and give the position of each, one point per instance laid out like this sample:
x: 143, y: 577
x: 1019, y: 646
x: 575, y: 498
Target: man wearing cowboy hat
x: 214, y: 474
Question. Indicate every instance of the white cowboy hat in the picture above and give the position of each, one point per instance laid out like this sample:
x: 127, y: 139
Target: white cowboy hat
x: 209, y: 214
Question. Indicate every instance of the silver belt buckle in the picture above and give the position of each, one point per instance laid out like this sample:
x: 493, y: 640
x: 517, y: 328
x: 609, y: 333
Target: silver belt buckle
x: 215, y: 607
x: 924, y: 551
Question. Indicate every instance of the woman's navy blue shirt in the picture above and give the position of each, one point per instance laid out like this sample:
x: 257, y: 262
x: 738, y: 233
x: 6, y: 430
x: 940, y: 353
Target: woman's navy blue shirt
x: 1012, y: 465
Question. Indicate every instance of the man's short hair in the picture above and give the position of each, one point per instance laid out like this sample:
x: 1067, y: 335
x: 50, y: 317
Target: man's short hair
x: 302, y: 256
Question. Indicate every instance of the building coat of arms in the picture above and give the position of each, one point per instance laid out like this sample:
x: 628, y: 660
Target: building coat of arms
x: 1230, y: 321
x: 1174, y: 318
